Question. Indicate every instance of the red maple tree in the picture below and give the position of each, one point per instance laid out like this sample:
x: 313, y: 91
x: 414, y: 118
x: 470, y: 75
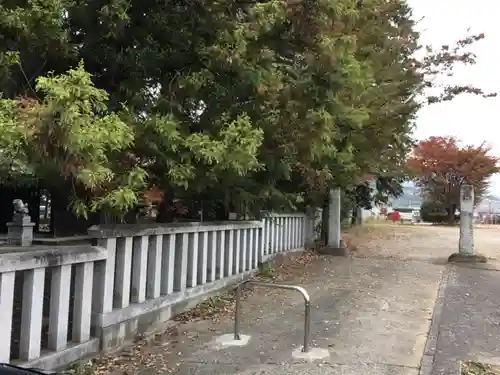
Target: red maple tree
x: 440, y: 166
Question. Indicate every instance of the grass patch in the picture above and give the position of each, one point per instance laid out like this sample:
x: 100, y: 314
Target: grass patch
x: 81, y: 368
x: 266, y: 272
x: 478, y: 368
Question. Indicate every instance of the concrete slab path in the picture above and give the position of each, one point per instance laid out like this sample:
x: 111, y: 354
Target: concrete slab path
x: 466, y: 324
x: 372, y: 317
x: 371, y: 313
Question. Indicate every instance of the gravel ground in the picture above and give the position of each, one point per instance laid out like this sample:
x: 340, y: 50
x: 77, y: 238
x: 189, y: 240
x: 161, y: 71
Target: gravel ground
x: 421, y: 242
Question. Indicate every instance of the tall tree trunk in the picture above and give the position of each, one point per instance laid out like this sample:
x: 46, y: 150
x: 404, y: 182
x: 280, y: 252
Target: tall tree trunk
x: 325, y: 221
x: 165, y: 212
x: 64, y: 221
x: 451, y: 209
x: 451, y: 214
x: 354, y: 215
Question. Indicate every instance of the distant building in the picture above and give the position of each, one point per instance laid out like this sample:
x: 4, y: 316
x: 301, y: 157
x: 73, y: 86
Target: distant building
x: 411, y: 198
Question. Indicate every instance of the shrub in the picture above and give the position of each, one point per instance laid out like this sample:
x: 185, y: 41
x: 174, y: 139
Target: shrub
x: 435, y: 212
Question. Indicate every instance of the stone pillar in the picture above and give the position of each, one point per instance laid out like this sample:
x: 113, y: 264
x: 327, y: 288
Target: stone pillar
x: 466, y: 237
x: 334, y: 245
x: 20, y: 230
x: 334, y: 219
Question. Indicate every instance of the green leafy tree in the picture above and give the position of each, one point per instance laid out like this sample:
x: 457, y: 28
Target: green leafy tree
x: 69, y: 135
x: 34, y: 39
x: 237, y: 106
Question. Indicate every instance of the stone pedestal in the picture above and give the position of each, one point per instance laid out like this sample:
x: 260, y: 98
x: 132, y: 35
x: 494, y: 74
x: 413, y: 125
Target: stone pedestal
x: 466, y: 240
x: 20, y: 231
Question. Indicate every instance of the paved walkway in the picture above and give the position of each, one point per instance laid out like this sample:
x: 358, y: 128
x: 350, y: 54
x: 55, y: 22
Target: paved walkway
x: 466, y: 322
x: 371, y: 312
x: 372, y: 316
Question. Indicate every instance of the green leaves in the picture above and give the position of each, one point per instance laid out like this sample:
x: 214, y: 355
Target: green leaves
x: 13, y: 137
x: 70, y: 135
x: 248, y: 104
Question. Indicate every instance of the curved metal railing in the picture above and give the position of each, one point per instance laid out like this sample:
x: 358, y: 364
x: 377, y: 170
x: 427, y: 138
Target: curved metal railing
x: 307, y: 309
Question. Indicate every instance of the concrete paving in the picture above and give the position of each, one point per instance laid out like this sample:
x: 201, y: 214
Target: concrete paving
x: 372, y: 316
x: 466, y: 322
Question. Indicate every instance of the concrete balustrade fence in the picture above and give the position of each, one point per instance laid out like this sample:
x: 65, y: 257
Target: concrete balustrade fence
x: 59, y: 304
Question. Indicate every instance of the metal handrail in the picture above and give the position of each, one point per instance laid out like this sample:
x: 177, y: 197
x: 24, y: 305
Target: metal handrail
x: 307, y: 310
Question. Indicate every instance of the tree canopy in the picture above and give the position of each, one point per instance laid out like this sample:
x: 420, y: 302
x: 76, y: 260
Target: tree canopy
x: 441, y: 166
x: 240, y: 105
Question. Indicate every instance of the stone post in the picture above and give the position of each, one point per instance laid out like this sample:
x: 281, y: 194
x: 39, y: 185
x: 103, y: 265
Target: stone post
x: 334, y: 219
x: 466, y: 237
x: 334, y: 245
x: 20, y: 230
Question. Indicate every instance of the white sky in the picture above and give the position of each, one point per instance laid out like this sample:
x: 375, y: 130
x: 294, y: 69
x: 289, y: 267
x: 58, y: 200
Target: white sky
x: 471, y: 119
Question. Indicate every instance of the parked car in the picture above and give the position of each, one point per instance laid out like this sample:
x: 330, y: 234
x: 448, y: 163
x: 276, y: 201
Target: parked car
x: 406, y: 214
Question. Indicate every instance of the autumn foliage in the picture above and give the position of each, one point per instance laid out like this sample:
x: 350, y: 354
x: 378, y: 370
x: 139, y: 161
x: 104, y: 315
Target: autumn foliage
x: 440, y: 166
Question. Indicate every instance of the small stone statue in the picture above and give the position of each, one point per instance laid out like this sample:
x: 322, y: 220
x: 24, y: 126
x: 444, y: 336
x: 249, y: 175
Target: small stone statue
x: 20, y: 230
x: 20, y: 208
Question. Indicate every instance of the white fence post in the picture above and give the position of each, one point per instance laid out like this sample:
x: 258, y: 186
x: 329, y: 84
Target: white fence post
x: 236, y: 252
x: 59, y: 307
x: 104, y: 278
x: 264, y: 236
x: 277, y: 235
x: 212, y: 255
x: 153, y: 278
x: 123, y: 271
x: 7, y: 280
x: 181, y: 262
x: 251, y: 249
x: 221, y: 254
x: 139, y: 269
x: 32, y: 314
x: 82, y: 308
x: 168, y: 264
x: 243, y: 248
x: 203, y: 258
x: 192, y: 272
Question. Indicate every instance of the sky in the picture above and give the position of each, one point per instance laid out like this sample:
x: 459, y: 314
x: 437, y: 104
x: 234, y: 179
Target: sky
x: 469, y: 118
